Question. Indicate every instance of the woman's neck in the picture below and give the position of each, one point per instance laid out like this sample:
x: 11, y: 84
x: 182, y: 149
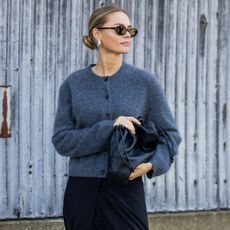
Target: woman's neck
x: 107, y: 65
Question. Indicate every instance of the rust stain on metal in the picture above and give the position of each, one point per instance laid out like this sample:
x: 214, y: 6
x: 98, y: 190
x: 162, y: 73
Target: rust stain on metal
x: 203, y: 28
x: 5, y: 130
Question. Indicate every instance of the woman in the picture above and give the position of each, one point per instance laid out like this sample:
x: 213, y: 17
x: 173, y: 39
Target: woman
x: 92, y: 101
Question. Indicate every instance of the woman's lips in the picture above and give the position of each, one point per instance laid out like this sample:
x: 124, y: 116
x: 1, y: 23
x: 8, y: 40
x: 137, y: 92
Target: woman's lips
x: 126, y: 43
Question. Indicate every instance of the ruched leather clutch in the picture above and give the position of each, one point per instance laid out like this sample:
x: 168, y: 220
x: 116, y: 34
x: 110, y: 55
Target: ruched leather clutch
x: 127, y: 151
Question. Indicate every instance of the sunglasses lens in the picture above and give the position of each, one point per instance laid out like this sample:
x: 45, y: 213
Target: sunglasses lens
x: 133, y: 32
x: 121, y: 30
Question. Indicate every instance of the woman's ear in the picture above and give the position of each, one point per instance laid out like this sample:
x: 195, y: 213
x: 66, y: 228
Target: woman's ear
x: 96, y: 34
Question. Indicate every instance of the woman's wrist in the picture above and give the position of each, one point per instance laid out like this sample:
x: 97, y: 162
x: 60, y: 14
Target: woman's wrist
x: 150, y: 166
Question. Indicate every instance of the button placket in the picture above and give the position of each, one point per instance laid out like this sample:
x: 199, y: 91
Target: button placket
x: 107, y: 97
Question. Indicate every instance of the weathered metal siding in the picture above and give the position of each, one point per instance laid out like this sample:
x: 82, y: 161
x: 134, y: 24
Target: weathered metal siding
x: 186, y: 43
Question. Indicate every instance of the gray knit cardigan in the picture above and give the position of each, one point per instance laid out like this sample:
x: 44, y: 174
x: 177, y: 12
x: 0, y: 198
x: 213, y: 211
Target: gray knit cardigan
x: 87, y: 107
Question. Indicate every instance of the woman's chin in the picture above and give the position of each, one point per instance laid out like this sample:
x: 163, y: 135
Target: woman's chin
x: 124, y: 50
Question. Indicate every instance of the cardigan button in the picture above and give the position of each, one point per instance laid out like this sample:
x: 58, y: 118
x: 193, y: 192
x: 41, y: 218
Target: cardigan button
x: 106, y: 78
x: 107, y: 97
x: 102, y: 172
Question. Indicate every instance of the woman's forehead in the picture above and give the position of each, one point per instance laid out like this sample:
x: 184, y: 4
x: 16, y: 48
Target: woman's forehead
x: 118, y: 18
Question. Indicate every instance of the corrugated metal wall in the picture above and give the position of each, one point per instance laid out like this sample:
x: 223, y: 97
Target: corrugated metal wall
x: 185, y: 42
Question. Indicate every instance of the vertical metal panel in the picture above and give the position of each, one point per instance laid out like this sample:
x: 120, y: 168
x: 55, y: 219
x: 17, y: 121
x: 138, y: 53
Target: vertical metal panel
x: 12, y: 69
x: 139, y: 21
x: 227, y: 79
x: 190, y: 101
x: 211, y: 176
x: 179, y: 61
x: 25, y: 196
x: 185, y: 43
x: 62, y: 62
x: 201, y: 104
x: 49, y: 66
x: 3, y: 142
x: 170, y: 77
x: 37, y: 109
x: 222, y: 86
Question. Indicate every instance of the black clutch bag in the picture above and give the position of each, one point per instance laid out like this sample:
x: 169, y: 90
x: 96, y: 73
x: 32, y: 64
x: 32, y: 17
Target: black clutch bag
x: 127, y: 151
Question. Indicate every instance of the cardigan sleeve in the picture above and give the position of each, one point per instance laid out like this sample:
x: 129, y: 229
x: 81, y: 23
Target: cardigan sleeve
x: 77, y: 142
x: 159, y: 112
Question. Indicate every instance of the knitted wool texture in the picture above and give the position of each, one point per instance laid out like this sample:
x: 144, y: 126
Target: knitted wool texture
x: 87, y: 107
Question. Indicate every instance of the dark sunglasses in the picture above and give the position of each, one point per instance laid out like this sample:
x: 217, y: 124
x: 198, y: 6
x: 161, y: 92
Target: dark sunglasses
x: 121, y: 30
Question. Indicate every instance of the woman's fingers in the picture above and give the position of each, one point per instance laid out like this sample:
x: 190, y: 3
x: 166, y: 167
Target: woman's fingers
x: 134, y: 120
x: 129, y: 125
x: 127, y: 122
x: 140, y: 170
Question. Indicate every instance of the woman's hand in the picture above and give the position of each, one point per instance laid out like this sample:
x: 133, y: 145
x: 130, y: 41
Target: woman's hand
x: 140, y: 170
x: 128, y: 122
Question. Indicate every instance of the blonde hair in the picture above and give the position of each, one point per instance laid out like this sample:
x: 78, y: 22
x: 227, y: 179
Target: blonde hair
x: 97, y: 19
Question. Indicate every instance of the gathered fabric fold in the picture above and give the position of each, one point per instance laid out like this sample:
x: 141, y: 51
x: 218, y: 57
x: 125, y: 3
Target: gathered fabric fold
x: 127, y: 151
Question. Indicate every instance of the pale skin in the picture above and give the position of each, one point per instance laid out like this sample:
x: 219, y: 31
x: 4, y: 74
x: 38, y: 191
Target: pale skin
x: 110, y: 55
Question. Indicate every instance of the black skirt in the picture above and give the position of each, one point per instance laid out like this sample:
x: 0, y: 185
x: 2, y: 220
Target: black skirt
x: 98, y: 204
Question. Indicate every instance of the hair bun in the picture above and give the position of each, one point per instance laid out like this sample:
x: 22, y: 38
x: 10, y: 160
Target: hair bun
x: 88, y: 42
